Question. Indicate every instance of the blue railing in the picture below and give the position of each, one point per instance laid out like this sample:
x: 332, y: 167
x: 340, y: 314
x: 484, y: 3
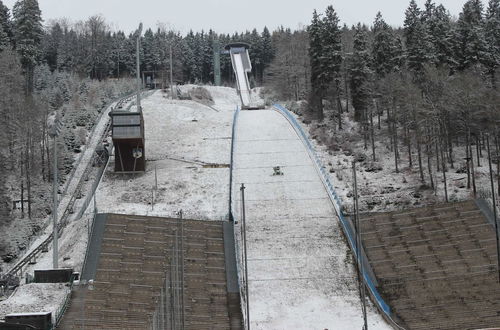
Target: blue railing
x: 233, y: 217
x: 231, y: 162
x: 348, y: 230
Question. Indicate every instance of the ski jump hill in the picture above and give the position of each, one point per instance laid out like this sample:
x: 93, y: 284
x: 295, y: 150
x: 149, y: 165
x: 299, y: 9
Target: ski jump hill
x: 431, y: 268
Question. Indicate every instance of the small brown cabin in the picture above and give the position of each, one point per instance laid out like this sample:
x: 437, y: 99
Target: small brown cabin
x: 128, y: 140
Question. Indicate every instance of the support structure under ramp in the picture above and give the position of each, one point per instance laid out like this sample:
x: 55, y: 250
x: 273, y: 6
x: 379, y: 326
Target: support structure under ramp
x: 240, y: 60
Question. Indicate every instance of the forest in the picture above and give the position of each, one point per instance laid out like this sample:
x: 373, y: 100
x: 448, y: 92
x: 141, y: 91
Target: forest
x: 430, y: 85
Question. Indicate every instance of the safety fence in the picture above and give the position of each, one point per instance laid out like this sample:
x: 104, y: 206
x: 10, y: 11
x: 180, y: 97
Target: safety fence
x: 347, y: 227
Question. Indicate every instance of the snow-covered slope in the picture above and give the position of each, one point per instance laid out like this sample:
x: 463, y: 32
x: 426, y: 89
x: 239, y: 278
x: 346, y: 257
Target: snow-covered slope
x: 299, y: 266
x: 181, y: 137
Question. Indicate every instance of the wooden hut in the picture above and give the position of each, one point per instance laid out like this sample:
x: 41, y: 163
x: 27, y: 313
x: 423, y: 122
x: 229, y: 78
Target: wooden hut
x: 128, y: 140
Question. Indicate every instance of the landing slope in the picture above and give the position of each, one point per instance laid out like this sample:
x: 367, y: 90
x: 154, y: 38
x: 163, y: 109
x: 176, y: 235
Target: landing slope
x: 300, y: 270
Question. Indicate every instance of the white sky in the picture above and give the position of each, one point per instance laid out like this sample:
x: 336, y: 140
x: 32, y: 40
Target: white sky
x: 227, y: 16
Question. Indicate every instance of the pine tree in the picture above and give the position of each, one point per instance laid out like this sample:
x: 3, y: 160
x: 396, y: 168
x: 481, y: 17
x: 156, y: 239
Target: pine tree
x: 147, y: 43
x: 492, y: 37
x: 51, y: 43
x: 5, y: 23
x: 4, y: 39
x: 332, y: 57
x: 428, y: 19
x: 416, y: 38
x: 470, y: 35
x: 267, y: 48
x: 315, y: 54
x: 440, y: 31
x: 359, y: 73
x: 28, y: 35
x: 331, y: 37
x: 385, y: 49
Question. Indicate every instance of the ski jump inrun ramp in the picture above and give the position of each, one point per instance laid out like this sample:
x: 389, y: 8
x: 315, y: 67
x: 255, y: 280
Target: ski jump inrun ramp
x: 242, y: 65
x: 299, y: 270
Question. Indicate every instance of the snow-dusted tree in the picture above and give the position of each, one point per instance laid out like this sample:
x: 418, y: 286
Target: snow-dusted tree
x: 318, y: 86
x: 4, y: 39
x: 28, y: 34
x: 331, y: 59
x: 359, y: 73
x: 118, y: 53
x: 416, y: 38
x: 5, y: 22
x: 331, y: 36
x: 267, y: 49
x: 190, y: 67
x: 51, y: 42
x: 492, y: 36
x: 471, y: 45
x: 385, y: 51
x: 440, y: 32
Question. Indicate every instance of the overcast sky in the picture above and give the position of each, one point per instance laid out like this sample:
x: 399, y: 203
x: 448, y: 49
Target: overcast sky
x: 226, y: 16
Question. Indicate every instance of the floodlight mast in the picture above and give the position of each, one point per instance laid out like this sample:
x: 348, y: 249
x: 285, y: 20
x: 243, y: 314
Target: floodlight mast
x: 139, y: 32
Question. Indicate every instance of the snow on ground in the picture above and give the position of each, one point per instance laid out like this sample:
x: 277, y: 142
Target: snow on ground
x: 181, y: 137
x: 300, y: 270
x: 384, y: 189
x: 35, y: 297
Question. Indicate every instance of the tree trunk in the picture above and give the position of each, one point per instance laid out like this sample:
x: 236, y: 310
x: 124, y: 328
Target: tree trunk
x: 478, y: 152
x: 339, y: 105
x: 408, y: 145
x: 395, y: 139
x: 28, y: 174
x: 443, y: 167
x: 467, y: 157
x: 372, y: 131
x: 429, y: 163
x: 436, y: 144
x: 378, y: 114
x: 497, y: 159
x: 419, y: 156
x: 22, y: 185
x: 474, y: 190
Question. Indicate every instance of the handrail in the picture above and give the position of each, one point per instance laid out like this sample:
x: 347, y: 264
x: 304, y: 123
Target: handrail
x: 233, y: 138
x: 337, y: 204
x: 62, y: 309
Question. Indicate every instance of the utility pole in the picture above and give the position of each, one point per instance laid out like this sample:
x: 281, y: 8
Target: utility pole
x: 171, y: 75
x: 54, y: 132
x: 244, y: 238
x: 359, y: 253
x: 494, y: 205
x: 138, y: 69
x: 216, y: 50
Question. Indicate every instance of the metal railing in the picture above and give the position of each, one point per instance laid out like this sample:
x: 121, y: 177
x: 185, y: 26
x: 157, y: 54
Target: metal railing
x: 62, y: 309
x: 231, y: 161
x: 349, y: 232
x: 233, y: 217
